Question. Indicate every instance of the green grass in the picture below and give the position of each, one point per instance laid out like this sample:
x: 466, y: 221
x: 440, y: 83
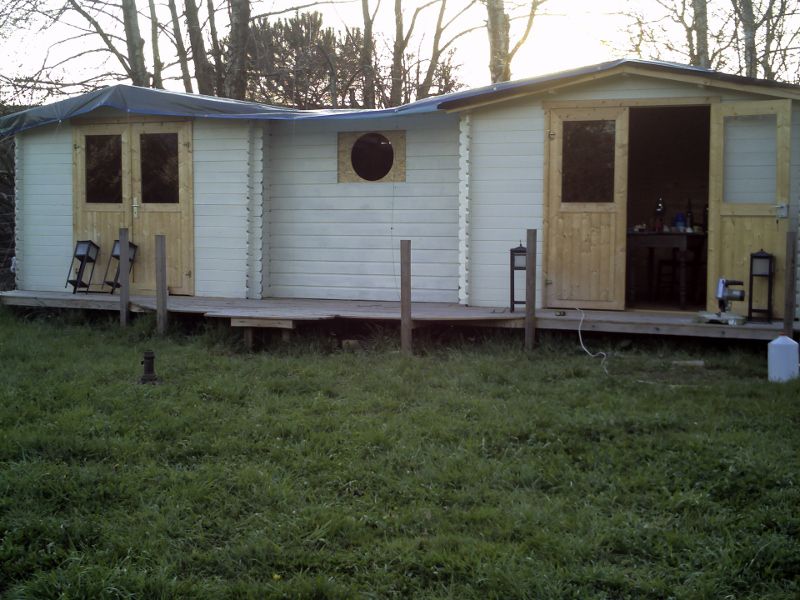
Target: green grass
x: 471, y: 471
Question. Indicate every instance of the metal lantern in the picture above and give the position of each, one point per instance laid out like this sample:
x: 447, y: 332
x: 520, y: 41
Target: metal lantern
x: 762, y: 266
x: 86, y: 252
x: 518, y: 261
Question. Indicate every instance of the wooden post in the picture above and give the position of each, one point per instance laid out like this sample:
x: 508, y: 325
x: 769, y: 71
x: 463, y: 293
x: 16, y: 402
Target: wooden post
x: 530, y: 291
x: 162, y: 291
x: 790, y: 286
x: 124, y: 277
x: 405, y: 297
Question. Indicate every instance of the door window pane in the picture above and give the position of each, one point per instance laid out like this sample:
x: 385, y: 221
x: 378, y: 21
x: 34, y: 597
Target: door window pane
x: 750, y: 159
x: 159, y: 157
x: 104, y: 169
x: 588, y: 161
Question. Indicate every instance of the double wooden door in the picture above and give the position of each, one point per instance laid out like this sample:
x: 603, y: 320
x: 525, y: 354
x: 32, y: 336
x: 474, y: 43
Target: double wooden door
x: 139, y: 176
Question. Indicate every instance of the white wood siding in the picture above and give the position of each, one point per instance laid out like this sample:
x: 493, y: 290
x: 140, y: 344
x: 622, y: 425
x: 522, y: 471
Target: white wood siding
x: 342, y: 240
x: 223, y: 185
x: 44, y: 208
x: 794, y: 193
x: 506, y: 193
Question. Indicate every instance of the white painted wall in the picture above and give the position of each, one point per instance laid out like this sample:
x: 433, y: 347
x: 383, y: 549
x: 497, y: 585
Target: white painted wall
x: 44, y: 207
x: 794, y: 192
x: 342, y: 240
x: 227, y: 201
x: 506, y: 197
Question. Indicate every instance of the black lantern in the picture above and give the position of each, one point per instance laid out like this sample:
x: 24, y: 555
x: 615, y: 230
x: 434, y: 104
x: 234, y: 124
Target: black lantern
x: 762, y: 266
x: 518, y: 262
x: 86, y: 252
x: 114, y: 283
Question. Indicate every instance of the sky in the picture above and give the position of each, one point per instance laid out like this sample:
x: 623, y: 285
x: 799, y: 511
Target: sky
x: 568, y: 33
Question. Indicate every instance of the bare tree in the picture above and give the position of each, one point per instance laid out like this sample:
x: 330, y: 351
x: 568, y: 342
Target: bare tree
x: 236, y: 68
x: 154, y: 29
x: 203, y: 70
x: 182, y: 56
x: 368, y: 53
x: 498, y: 26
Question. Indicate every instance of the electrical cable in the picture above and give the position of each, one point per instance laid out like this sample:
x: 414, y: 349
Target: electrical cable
x: 585, y: 349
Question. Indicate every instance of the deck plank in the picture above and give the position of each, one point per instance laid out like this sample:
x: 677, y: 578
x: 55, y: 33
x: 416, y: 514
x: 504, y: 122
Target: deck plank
x: 270, y: 311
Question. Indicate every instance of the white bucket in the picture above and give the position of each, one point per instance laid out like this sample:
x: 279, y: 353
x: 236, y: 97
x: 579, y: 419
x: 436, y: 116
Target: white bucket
x: 783, y: 359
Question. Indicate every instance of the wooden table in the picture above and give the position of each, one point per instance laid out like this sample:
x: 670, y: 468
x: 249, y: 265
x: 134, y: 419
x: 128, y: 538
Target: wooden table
x: 680, y: 242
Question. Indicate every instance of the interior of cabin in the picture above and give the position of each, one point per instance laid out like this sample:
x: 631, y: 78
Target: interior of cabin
x: 668, y: 162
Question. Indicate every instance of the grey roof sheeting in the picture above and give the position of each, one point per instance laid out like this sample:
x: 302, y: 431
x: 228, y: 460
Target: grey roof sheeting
x: 147, y: 101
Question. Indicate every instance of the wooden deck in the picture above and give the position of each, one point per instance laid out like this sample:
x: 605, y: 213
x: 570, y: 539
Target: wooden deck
x: 280, y: 313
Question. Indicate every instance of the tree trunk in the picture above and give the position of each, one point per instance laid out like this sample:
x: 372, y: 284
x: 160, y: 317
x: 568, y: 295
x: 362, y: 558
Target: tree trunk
x: 367, y: 56
x: 135, y: 44
x: 399, y: 49
x: 424, y: 89
x: 744, y: 10
x: 236, y: 67
x: 203, y: 70
x: 183, y: 58
x: 497, y: 26
x: 157, y: 65
x: 700, y: 9
x: 216, y: 49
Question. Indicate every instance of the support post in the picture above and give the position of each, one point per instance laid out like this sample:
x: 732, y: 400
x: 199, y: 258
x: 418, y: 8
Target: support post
x: 162, y: 291
x: 405, y: 297
x: 124, y: 277
x: 790, y: 285
x: 530, y: 291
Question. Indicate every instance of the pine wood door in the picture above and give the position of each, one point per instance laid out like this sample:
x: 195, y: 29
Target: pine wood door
x: 101, y: 188
x: 587, y: 199
x: 748, y: 194
x: 137, y: 176
x: 161, y: 203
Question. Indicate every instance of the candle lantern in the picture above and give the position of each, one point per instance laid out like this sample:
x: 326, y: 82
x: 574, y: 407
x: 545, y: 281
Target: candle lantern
x: 762, y: 267
x: 518, y: 262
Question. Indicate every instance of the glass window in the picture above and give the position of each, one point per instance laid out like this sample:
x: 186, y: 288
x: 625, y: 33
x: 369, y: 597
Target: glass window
x: 372, y: 156
x: 104, y: 169
x: 588, y: 161
x: 750, y: 159
x: 159, y: 158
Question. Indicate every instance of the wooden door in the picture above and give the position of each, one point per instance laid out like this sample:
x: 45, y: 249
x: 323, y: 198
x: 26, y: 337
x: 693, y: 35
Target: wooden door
x: 101, y: 188
x: 748, y: 194
x: 587, y: 196
x: 161, y: 203
x: 137, y: 176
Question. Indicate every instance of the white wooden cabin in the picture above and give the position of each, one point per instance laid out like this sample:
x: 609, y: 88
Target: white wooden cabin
x: 268, y: 203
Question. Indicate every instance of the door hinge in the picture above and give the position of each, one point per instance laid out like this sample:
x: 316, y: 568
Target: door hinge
x: 548, y: 281
x: 188, y: 273
x: 551, y: 134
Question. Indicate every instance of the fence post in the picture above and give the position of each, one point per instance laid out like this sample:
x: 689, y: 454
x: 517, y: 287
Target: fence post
x: 162, y: 292
x: 530, y: 290
x: 405, y: 297
x: 124, y: 276
x: 790, y: 286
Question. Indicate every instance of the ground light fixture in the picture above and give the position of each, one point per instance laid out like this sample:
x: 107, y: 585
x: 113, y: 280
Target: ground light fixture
x: 518, y: 261
x: 762, y: 267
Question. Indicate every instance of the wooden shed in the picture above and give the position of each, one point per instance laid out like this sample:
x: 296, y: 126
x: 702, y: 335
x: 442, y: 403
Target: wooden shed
x: 262, y: 202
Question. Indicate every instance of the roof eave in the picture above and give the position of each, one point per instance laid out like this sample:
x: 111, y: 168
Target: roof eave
x: 700, y: 78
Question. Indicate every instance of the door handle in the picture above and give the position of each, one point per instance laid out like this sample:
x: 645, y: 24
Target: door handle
x: 135, y: 207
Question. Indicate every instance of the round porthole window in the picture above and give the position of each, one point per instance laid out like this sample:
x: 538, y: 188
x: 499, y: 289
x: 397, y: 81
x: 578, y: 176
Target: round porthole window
x: 372, y: 156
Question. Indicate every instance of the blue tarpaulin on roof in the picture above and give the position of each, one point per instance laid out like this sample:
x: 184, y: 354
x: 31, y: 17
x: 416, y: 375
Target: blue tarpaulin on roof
x: 146, y: 101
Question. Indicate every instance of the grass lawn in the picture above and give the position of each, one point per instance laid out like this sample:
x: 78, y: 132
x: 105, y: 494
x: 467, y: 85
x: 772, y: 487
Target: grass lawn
x: 470, y: 471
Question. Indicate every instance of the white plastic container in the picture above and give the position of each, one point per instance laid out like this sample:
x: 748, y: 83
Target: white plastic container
x: 783, y: 359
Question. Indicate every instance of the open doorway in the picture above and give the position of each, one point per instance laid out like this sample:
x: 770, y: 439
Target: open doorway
x: 667, y: 210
